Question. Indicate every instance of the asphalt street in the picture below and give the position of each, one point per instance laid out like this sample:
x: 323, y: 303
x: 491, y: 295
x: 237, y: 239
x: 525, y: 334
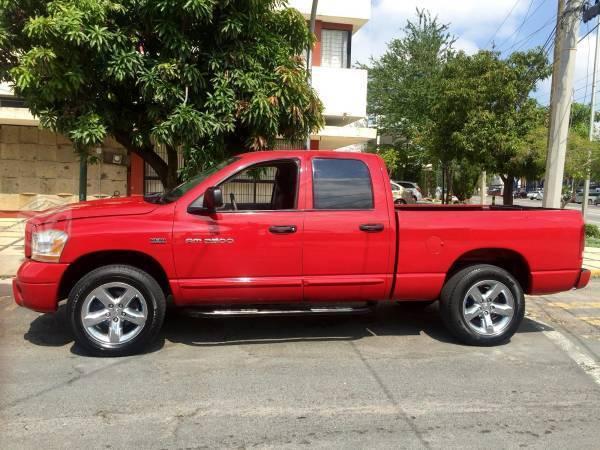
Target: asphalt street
x: 390, y: 379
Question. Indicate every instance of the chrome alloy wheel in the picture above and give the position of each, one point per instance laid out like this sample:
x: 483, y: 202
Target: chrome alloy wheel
x: 114, y: 313
x: 488, y: 307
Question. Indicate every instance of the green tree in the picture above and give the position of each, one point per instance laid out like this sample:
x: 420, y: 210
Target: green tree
x: 390, y: 158
x: 533, y: 151
x: 402, y: 82
x: 464, y: 179
x: 208, y: 77
x: 579, y: 148
x: 483, y: 113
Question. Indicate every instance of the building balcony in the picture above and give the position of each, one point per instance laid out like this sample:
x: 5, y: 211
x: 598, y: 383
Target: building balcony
x: 12, y: 109
x: 343, y: 93
x: 355, y: 12
x: 333, y: 138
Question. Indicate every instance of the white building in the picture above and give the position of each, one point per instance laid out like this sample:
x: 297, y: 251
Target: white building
x: 342, y: 89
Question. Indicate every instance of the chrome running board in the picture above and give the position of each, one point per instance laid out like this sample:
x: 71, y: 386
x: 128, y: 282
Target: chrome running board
x: 243, y: 312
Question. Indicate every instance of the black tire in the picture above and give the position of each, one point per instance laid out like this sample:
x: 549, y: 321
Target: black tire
x: 400, y: 201
x: 154, y: 300
x: 454, y: 292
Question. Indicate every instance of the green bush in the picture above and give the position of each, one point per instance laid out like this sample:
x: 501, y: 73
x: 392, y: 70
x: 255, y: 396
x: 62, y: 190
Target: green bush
x: 592, y: 231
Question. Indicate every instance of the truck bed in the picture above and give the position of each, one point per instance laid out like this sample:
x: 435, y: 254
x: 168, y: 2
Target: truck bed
x: 537, y: 242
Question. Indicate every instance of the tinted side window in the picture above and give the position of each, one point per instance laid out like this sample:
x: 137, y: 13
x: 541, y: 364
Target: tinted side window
x: 341, y: 184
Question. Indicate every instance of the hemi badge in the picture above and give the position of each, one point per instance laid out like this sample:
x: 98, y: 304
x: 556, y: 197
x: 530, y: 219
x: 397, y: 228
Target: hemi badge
x: 158, y: 240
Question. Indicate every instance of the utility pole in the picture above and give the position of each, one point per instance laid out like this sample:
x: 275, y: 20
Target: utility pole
x: 586, y: 186
x: 556, y: 58
x: 562, y: 87
x: 313, y: 19
x: 483, y: 190
x: 83, y: 157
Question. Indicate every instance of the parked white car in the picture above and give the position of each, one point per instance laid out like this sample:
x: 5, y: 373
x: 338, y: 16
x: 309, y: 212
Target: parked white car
x: 538, y: 194
x: 413, y: 188
x: 401, y: 196
x: 594, y: 195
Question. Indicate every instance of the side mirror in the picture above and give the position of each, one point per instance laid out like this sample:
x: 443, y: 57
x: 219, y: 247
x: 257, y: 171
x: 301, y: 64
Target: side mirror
x: 212, y: 199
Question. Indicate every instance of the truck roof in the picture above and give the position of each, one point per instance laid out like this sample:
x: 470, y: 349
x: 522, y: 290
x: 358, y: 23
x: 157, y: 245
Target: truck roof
x: 268, y: 154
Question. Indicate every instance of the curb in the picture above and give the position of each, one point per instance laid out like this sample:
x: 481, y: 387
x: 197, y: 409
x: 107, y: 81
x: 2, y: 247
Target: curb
x: 595, y: 273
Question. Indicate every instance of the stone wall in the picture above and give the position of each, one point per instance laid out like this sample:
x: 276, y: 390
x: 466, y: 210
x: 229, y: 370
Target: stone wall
x: 39, y: 169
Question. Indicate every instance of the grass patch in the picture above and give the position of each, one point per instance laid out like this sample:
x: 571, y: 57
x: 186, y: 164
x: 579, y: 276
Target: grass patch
x: 592, y: 242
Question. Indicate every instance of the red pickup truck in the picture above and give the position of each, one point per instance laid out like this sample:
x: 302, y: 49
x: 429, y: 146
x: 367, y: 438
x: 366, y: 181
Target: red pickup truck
x: 291, y: 231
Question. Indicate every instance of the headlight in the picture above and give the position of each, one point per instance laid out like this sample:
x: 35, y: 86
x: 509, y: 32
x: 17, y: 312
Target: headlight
x: 47, y: 245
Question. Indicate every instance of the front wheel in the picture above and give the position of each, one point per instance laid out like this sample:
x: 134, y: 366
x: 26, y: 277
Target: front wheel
x: 482, y: 305
x: 116, y: 310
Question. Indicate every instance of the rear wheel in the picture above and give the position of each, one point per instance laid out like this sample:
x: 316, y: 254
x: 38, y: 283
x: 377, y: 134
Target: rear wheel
x: 400, y: 201
x: 116, y: 310
x: 482, y: 305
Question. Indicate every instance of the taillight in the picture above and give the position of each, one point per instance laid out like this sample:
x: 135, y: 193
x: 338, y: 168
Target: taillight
x: 28, y: 231
x: 582, y: 241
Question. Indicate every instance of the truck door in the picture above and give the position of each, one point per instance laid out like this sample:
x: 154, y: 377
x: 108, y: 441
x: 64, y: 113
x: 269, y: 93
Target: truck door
x: 348, y: 238
x: 250, y: 250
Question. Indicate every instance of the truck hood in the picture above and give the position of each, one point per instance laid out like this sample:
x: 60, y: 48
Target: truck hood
x: 109, y: 207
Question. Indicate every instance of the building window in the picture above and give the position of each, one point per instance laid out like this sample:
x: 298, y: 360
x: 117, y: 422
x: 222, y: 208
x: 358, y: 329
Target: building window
x: 12, y: 102
x: 335, y: 48
x: 341, y: 184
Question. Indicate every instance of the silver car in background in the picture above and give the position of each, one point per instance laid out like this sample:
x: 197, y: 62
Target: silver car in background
x: 413, y: 188
x: 401, y: 195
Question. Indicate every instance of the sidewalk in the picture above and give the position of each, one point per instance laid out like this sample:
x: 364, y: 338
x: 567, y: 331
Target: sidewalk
x: 591, y: 260
x: 11, y: 246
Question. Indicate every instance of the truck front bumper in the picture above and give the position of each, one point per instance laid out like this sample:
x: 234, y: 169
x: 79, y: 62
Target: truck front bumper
x: 36, y: 285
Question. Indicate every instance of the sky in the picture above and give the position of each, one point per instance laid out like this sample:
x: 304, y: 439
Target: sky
x: 478, y: 24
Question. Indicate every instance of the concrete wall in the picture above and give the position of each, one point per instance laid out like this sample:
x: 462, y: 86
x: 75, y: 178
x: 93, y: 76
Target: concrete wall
x: 39, y: 169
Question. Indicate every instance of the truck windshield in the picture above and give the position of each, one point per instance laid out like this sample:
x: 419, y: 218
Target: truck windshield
x: 184, y: 187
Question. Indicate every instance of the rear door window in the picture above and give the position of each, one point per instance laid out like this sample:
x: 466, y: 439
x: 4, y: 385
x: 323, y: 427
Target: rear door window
x: 341, y: 184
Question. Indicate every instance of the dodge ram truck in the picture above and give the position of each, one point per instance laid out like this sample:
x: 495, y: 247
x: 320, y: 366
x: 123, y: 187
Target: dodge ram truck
x: 291, y: 232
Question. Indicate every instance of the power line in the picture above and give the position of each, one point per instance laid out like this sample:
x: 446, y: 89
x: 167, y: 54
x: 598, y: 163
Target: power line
x: 525, y: 19
x: 522, y: 41
x: 588, y: 33
x: 502, y: 24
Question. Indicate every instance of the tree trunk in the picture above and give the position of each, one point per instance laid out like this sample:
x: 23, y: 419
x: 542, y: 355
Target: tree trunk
x: 444, y: 177
x: 450, y: 183
x: 172, y: 178
x: 507, y: 195
x: 165, y: 170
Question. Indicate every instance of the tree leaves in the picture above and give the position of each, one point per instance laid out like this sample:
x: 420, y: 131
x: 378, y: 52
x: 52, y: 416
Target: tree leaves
x: 209, y: 77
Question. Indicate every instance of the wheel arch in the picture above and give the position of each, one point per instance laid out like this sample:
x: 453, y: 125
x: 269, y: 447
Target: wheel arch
x: 510, y: 260
x: 91, y: 261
